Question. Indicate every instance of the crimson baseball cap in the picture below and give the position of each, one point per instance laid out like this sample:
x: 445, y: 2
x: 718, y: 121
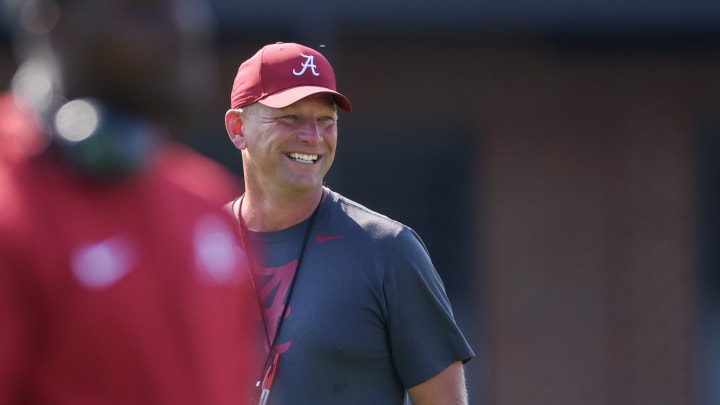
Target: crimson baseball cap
x: 282, y: 73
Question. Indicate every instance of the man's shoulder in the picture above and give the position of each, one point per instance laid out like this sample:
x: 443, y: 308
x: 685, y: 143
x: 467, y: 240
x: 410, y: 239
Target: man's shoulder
x: 198, y: 174
x: 21, y: 135
x: 385, y: 234
x: 371, y: 221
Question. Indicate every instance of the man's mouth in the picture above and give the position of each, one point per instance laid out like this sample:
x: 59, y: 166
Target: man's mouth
x: 303, y: 158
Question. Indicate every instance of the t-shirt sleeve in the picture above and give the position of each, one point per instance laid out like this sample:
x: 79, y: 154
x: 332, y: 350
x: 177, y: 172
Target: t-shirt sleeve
x: 423, y: 334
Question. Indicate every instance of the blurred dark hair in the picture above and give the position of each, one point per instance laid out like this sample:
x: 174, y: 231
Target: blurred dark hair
x: 32, y: 16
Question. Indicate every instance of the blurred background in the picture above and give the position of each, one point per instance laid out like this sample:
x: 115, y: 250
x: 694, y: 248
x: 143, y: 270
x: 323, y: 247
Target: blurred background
x: 560, y: 159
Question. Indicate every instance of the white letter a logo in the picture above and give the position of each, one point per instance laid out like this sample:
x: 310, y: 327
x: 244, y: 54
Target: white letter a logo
x: 309, y: 63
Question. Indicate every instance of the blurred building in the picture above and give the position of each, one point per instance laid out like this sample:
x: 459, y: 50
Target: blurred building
x: 560, y: 160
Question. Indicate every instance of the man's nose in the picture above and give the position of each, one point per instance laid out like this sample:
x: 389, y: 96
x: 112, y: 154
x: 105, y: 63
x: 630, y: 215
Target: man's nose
x: 310, y: 132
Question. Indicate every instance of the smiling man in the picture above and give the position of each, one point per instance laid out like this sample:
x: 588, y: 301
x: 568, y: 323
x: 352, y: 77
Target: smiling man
x: 353, y: 309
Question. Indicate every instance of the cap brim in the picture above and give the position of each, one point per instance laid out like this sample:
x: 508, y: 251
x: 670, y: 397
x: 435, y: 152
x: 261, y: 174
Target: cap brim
x: 284, y: 98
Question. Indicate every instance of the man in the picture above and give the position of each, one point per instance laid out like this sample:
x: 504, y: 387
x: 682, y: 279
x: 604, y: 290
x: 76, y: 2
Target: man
x: 121, y: 278
x: 353, y: 309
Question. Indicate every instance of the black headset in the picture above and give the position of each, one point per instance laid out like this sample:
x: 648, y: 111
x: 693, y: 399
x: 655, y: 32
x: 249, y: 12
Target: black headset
x: 96, y: 140
x: 99, y: 142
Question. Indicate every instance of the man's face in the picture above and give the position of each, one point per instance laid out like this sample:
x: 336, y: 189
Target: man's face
x: 291, y: 148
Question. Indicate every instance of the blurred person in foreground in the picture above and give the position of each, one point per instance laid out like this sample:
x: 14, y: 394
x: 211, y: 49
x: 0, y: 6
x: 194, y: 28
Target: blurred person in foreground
x: 353, y: 309
x: 121, y: 277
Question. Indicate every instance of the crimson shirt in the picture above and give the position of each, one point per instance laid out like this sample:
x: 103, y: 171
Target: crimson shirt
x: 133, y: 292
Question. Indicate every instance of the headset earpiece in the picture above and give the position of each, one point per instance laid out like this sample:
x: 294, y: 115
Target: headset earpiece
x: 101, y: 143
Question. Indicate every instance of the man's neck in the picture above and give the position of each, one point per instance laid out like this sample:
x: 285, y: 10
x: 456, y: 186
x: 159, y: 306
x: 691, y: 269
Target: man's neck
x: 261, y: 212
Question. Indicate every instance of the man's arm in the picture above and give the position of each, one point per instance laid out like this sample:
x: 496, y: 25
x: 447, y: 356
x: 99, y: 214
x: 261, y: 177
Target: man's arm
x: 445, y: 388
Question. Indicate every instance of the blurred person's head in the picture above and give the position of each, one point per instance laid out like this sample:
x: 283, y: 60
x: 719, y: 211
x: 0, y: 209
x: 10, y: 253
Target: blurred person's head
x: 128, y: 71
x: 131, y: 55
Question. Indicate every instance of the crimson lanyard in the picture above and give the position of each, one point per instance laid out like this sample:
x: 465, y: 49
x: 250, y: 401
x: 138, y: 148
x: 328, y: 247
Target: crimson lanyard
x: 268, y: 379
x: 273, y: 358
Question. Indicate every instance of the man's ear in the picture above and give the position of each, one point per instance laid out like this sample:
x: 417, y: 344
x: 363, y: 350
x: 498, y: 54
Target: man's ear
x: 233, y: 125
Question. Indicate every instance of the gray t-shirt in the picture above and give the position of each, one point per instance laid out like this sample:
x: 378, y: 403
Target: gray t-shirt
x: 368, y: 316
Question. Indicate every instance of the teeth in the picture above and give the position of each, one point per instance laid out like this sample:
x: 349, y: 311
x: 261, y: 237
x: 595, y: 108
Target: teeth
x: 303, y: 158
